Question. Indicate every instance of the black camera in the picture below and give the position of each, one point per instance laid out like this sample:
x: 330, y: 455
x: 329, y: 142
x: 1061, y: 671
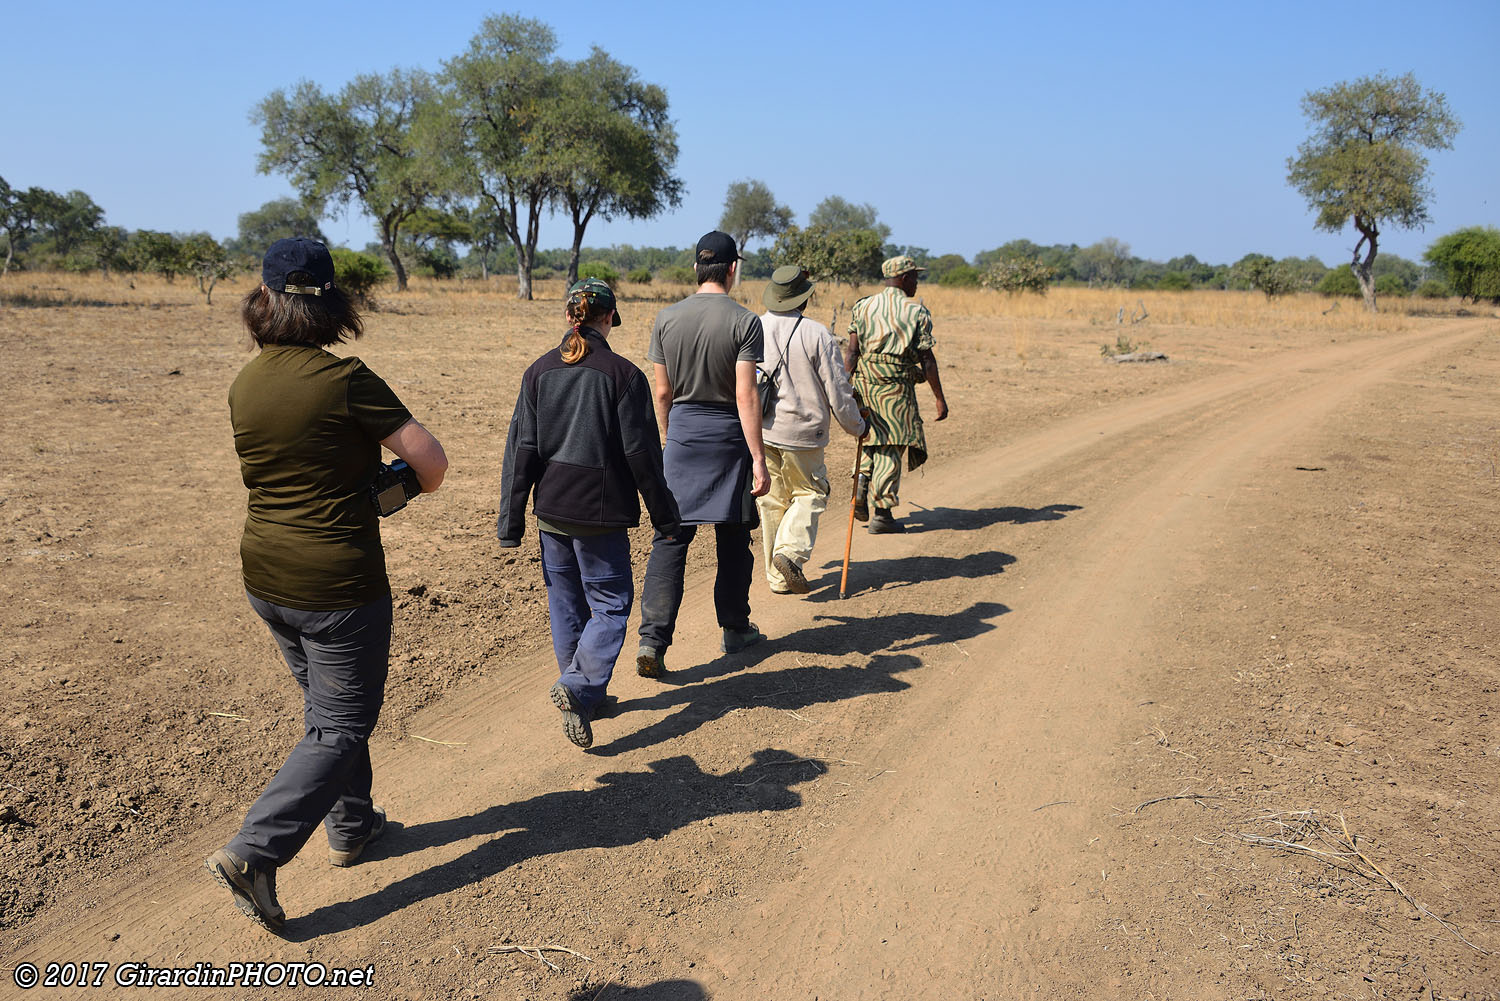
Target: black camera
x: 394, y: 485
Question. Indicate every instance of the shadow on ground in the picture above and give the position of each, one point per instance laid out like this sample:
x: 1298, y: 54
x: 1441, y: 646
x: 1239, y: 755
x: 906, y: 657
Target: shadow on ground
x: 662, y: 990
x: 928, y: 519
x: 627, y: 807
x: 884, y: 639
x: 869, y: 575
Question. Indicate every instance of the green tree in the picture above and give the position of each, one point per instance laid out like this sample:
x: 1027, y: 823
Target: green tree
x: 504, y: 92
x: 750, y: 211
x: 1339, y: 281
x: 938, y: 267
x: 1266, y: 274
x: 156, y: 253
x: 1469, y: 262
x: 1104, y: 263
x: 843, y: 256
x: 206, y: 260
x: 612, y: 146
x: 373, y: 144
x: 836, y: 214
x: 1363, y: 161
x: 278, y: 219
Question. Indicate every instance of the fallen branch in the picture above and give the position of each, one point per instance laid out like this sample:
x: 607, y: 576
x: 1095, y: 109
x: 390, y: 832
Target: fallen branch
x: 535, y: 952
x: 1349, y: 839
x: 231, y: 716
x: 1058, y: 802
x: 1182, y: 795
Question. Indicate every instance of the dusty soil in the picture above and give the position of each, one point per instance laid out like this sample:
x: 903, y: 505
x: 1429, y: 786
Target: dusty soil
x: 1163, y: 642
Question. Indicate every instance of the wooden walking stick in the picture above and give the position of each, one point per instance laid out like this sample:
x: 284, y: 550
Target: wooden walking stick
x: 859, y: 445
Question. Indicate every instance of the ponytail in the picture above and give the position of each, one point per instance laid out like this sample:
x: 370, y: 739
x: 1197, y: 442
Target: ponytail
x: 576, y: 347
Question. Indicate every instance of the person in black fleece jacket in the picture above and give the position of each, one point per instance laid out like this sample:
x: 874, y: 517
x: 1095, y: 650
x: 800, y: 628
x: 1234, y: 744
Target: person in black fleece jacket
x: 583, y: 442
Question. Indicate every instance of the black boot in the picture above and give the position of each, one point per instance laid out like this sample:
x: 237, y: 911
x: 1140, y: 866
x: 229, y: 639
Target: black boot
x: 884, y: 524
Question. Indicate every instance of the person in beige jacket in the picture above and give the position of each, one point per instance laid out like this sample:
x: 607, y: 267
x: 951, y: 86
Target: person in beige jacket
x: 803, y: 358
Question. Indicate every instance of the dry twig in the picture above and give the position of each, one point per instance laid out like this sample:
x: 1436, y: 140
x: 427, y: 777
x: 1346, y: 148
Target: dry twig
x: 445, y: 743
x: 535, y: 952
x: 1182, y: 795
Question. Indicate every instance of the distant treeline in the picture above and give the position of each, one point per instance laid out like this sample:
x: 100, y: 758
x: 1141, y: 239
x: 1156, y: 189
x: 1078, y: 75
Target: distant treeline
x: 45, y: 230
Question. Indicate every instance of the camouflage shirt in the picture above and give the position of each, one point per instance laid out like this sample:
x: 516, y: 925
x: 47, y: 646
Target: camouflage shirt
x: 891, y: 330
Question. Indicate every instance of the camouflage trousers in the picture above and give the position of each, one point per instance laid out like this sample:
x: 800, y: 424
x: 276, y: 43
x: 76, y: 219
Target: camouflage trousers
x: 881, y: 467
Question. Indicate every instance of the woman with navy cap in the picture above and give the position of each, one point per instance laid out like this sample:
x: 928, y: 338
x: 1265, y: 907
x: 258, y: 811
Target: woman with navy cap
x: 308, y: 428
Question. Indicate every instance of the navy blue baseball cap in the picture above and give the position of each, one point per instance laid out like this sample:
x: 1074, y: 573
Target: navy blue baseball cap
x: 297, y: 254
x: 717, y: 248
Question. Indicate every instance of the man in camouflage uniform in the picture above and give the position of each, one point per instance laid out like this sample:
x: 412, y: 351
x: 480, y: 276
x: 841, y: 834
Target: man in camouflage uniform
x: 889, y: 352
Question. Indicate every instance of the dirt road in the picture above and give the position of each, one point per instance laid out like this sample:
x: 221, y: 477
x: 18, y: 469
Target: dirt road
x: 931, y: 789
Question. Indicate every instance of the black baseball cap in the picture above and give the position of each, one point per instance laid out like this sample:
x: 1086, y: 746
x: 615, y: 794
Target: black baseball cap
x: 297, y: 253
x: 717, y: 248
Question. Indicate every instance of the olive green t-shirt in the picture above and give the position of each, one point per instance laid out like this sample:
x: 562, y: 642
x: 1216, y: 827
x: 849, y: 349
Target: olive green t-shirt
x: 307, y: 427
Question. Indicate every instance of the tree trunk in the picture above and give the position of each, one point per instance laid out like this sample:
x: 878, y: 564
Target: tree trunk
x: 523, y: 273
x: 10, y: 252
x: 388, y: 232
x: 1364, y: 269
x: 580, y: 223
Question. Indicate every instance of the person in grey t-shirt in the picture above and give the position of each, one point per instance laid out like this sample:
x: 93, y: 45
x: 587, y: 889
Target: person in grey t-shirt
x: 703, y: 352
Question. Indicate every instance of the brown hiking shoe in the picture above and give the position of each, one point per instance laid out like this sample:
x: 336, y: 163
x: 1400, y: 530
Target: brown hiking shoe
x: 650, y: 662
x: 345, y: 857
x: 791, y: 573
x: 254, y: 890
x: 575, y: 717
x: 883, y: 523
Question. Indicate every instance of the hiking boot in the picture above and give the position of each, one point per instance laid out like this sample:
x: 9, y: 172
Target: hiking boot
x: 862, y: 507
x: 884, y: 524
x: 791, y: 573
x: 345, y: 857
x: 575, y: 717
x: 736, y: 640
x: 253, y: 890
x: 650, y: 662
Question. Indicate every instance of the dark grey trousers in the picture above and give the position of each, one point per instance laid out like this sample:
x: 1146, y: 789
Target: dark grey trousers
x: 340, y: 660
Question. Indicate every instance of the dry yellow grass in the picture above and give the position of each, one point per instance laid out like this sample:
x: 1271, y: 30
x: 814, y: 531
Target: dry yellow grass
x: 1089, y: 307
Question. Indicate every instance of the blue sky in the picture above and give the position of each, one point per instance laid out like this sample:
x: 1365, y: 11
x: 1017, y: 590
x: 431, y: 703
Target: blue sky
x: 1166, y: 125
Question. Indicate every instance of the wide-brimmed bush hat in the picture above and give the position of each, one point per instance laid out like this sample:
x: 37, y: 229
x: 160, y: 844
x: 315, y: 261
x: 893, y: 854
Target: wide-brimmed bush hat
x: 790, y: 286
x: 297, y: 254
x: 599, y: 295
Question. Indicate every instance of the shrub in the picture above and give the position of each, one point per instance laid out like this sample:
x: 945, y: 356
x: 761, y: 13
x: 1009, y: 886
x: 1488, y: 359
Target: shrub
x: 600, y: 270
x: 358, y: 273
x: 1339, y: 281
x: 959, y: 276
x: 641, y: 276
x: 681, y: 276
x: 1433, y: 289
x: 1390, y: 285
x: 1174, y: 281
x: 1018, y: 274
x: 1469, y: 260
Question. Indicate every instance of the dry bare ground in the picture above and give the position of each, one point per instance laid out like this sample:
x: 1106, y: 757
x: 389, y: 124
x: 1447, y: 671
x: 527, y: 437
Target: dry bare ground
x: 1184, y: 684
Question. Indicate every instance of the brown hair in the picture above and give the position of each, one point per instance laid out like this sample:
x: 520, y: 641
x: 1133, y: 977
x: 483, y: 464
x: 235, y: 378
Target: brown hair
x: 717, y: 274
x: 576, y: 348
x: 294, y: 318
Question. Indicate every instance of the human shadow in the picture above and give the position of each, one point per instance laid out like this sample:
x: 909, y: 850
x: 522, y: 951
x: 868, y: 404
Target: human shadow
x: 887, y: 641
x: 928, y: 519
x: 905, y: 571
x: 662, y: 990
x: 627, y: 807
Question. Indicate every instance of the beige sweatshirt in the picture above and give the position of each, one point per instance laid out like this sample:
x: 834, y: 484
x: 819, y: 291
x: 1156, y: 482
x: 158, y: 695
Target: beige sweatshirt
x: 810, y: 387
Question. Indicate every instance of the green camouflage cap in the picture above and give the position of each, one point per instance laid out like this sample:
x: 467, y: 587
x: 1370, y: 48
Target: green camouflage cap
x: 895, y: 267
x: 599, y: 295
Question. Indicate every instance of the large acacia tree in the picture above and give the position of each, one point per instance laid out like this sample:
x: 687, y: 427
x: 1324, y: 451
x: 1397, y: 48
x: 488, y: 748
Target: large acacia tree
x: 503, y: 90
x: 612, y: 146
x: 750, y: 210
x: 374, y: 143
x: 1363, y: 161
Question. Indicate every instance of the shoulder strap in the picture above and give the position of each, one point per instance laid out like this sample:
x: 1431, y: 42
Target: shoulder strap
x: 781, y: 361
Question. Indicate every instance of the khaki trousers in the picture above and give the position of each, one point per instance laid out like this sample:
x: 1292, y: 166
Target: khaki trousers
x: 789, y: 513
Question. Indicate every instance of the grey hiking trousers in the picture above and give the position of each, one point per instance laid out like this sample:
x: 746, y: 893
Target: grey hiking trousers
x: 340, y: 660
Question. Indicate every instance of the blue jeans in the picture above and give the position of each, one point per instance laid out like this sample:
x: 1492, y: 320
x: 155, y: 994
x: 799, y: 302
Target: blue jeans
x: 589, y: 594
x: 339, y: 659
